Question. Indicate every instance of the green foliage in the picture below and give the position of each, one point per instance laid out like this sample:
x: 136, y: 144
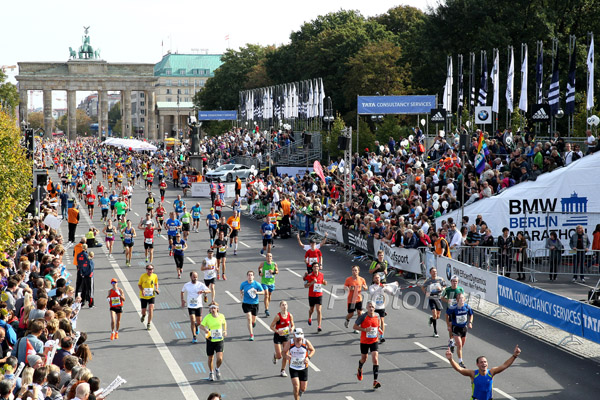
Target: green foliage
x: 114, y: 118
x: 216, y: 128
x: 366, y: 137
x: 62, y: 123
x: 330, y: 140
x: 9, y: 96
x: 83, y: 122
x: 35, y: 120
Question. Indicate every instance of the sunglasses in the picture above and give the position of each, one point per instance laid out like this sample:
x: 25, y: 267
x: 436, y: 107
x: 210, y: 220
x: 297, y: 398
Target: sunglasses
x: 149, y: 269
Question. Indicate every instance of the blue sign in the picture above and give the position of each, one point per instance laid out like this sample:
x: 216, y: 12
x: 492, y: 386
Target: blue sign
x: 217, y: 115
x: 591, y: 322
x: 546, y: 307
x: 395, y: 104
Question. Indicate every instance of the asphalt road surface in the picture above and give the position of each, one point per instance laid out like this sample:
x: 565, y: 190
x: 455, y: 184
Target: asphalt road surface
x: 164, y: 364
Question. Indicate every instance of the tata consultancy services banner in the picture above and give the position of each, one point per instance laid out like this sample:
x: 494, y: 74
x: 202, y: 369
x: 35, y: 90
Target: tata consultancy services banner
x: 395, y: 104
x: 591, y: 322
x: 555, y: 310
x: 217, y: 115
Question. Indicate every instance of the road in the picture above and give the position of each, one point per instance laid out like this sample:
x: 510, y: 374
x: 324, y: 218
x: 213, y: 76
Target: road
x: 163, y: 363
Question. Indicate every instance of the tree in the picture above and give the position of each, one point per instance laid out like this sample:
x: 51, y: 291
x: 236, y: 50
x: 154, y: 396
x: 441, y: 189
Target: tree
x: 83, y: 122
x: 35, y: 120
x: 114, y: 118
x: 62, y: 123
x: 15, y: 180
x: 9, y: 96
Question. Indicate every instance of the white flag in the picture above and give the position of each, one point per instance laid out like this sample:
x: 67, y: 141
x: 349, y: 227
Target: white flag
x: 523, y: 98
x: 510, y: 81
x: 321, y: 98
x: 590, y: 65
x: 309, y: 111
x: 496, y: 83
x: 447, y: 101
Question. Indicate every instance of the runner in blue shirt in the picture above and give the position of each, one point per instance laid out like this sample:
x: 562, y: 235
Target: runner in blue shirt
x: 178, y: 204
x: 114, y: 197
x: 196, y: 213
x: 172, y: 224
x: 185, y: 184
x: 249, y: 291
x: 460, y: 317
x: 104, y: 206
x: 212, y: 219
x: 267, y: 229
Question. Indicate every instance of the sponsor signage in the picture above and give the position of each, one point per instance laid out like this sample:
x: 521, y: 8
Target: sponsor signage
x: 591, y: 322
x: 333, y: 229
x: 405, y: 259
x: 356, y: 240
x: 483, y: 115
x: 395, y: 104
x: 540, y: 113
x: 217, y: 115
x: 202, y: 189
x: 473, y: 280
x: 438, y: 115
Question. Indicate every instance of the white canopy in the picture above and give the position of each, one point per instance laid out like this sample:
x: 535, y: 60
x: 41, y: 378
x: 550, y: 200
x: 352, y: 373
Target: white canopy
x: 133, y: 144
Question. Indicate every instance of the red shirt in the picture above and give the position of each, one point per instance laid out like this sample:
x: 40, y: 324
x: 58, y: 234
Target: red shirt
x: 372, y: 325
x: 114, y: 298
x: 318, y: 279
x: 149, y: 233
x: 312, y: 256
x: 163, y: 185
x: 283, y: 322
x: 91, y: 198
x: 355, y: 286
x: 100, y: 189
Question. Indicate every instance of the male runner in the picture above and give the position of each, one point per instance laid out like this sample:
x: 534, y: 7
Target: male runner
x: 215, y: 328
x: 160, y: 216
x: 267, y: 271
x: 179, y: 246
x: 312, y: 255
x: 150, y: 200
x: 354, y: 284
x: 377, y: 293
x: 172, y: 225
x: 315, y: 282
x: 192, y: 290
x: 186, y: 220
x: 128, y: 236
x: 249, y: 291
x: 149, y: 229
x: 368, y: 324
x: 235, y: 223
x: 148, y: 285
x: 212, y: 220
x: 209, y: 267
x: 196, y: 213
x: 298, y: 355
x: 267, y: 230
x: 104, y: 203
x: 432, y: 288
x: 459, y: 318
x: 449, y: 298
x: 221, y: 245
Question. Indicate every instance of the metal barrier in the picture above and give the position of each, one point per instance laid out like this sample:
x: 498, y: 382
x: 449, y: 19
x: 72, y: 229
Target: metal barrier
x: 569, y: 262
x: 487, y: 258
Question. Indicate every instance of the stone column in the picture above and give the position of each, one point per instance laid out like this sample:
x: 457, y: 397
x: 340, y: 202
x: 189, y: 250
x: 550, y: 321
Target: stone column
x: 126, y: 95
x: 72, y: 114
x: 104, y: 108
x: 161, y: 127
x: 150, y: 116
x: 48, y: 120
x: 99, y: 115
x: 23, y: 104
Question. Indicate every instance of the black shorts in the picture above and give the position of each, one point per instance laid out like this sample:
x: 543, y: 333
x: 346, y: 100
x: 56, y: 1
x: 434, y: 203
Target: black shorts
x: 214, y: 347
x: 117, y: 310
x: 185, y: 227
x: 354, y: 307
x: 145, y: 302
x: 381, y: 312
x: 250, y: 308
x: 365, y: 348
x: 112, y: 207
x: 459, y: 331
x: 195, y: 311
x: 301, y: 374
x: 435, y: 304
x: 313, y: 301
x: 148, y: 246
x: 234, y: 233
x: 90, y: 206
x: 267, y: 242
x: 128, y: 244
x: 221, y: 255
x: 105, y: 211
x: 278, y: 339
x: 209, y: 282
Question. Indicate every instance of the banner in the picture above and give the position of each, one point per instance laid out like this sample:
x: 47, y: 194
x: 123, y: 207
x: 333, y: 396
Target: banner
x: 438, y: 115
x: 550, y: 308
x: 293, y: 171
x: 540, y: 113
x: 405, y: 259
x: 202, y: 189
x: 333, y: 229
x: 217, y: 115
x: 319, y: 170
x: 356, y: 240
x: 483, y: 115
x: 591, y: 322
x: 473, y: 280
x: 395, y: 104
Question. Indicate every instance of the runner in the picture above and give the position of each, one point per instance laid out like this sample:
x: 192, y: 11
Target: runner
x: 109, y: 234
x: 150, y: 200
x: 196, y: 213
x: 110, y: 180
x: 482, y: 379
x: 235, y: 223
x: 150, y: 179
x: 178, y: 205
x: 219, y: 206
x: 282, y: 325
x: 160, y: 216
x: 186, y: 219
x: 193, y: 289
x: 354, y: 284
x: 267, y: 229
x: 149, y: 229
x: 221, y: 191
x: 211, y: 222
x: 267, y: 271
x: 432, y: 288
x: 298, y: 355
x: 368, y: 324
x: 209, y: 266
x: 449, y: 298
x: 128, y: 235
x: 185, y: 184
x: 249, y: 291
x: 459, y: 318
x: 172, y: 226
x: 213, y: 193
x: 315, y: 282
x: 162, y: 187
x: 312, y: 255
x: 148, y: 285
x: 221, y: 246
x: 90, y: 200
x: 121, y: 208
x: 222, y: 226
x: 236, y: 204
x: 377, y: 293
x: 215, y: 328
x: 379, y: 267
x: 272, y: 217
x: 179, y: 246
x: 116, y: 298
x: 113, y: 201
x: 104, y: 203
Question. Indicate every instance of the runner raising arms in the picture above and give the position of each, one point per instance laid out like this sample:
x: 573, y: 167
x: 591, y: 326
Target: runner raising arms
x: 298, y: 354
x: 267, y: 271
x: 377, y: 292
x: 215, y: 328
x: 354, y: 284
x: 368, y: 324
x: 193, y: 289
x: 315, y: 282
x: 116, y: 298
x: 282, y: 326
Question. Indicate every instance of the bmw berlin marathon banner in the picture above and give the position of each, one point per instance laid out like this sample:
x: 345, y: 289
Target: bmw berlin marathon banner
x: 217, y: 115
x: 395, y: 104
x: 438, y: 116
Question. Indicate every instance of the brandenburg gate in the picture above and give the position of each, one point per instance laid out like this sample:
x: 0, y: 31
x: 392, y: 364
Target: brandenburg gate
x: 86, y: 72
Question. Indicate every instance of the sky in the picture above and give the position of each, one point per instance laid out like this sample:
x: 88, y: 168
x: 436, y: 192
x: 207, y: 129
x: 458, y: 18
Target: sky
x: 144, y: 30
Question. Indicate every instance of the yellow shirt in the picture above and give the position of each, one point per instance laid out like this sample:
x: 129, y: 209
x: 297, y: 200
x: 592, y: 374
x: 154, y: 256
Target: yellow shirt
x: 216, y: 326
x: 147, y: 282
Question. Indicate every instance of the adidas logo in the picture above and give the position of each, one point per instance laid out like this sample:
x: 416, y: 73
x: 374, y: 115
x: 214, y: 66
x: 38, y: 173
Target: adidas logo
x: 540, y: 115
x: 438, y: 117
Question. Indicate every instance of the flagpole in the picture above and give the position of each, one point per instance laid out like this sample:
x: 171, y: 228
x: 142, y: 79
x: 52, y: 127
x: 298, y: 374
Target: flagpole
x: 539, y: 97
x: 459, y: 92
x: 571, y: 118
x: 472, y: 88
x: 494, y: 79
x: 521, y: 111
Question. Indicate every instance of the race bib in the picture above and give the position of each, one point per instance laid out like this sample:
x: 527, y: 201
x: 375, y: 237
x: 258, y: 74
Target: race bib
x: 212, y: 222
x: 178, y: 246
x: 234, y: 224
x: 193, y: 302
x: 127, y: 236
x: 312, y: 260
x: 148, y: 292
x: 268, y: 274
x: 285, y: 331
x: 379, y: 301
x: 110, y: 235
x: 104, y: 206
x: 318, y: 288
x: 461, y: 319
x: 252, y: 293
x: 185, y: 220
x: 210, y: 274
x: 222, y: 249
x: 148, y: 240
x: 297, y: 363
x: 115, y: 301
x: 196, y: 214
x: 216, y: 334
x: 371, y: 332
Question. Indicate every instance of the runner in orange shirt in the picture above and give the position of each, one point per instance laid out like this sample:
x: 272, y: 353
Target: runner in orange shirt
x: 235, y: 224
x: 368, y: 325
x: 354, y: 285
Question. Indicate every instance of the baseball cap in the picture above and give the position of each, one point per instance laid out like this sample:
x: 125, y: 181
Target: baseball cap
x: 299, y: 333
x: 113, y: 280
x: 454, y: 278
x: 212, y: 209
x: 209, y: 251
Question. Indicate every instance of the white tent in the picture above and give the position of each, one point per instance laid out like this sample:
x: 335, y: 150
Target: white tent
x: 133, y: 144
x: 557, y: 201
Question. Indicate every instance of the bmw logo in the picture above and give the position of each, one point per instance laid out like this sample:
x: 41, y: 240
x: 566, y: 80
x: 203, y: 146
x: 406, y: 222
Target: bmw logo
x: 449, y: 271
x: 483, y: 115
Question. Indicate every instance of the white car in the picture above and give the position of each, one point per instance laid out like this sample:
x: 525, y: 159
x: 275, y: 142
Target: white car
x: 228, y: 172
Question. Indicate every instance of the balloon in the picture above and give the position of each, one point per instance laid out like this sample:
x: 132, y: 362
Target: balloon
x: 436, y: 146
x: 411, y: 137
x: 341, y: 169
x: 468, y: 124
x: 404, y: 143
x: 377, y: 199
x: 423, y: 122
x: 396, y: 189
x: 388, y: 206
x: 435, y: 197
x: 381, y: 148
x: 445, y: 204
x: 314, y: 187
x: 442, y: 133
x: 436, y: 205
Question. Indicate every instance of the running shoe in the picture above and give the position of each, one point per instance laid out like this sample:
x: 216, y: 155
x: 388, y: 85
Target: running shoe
x: 194, y: 340
x: 346, y: 323
x: 235, y: 254
x: 376, y: 385
x: 462, y: 364
x: 211, y: 377
x: 359, y: 374
x: 224, y: 277
x: 197, y: 329
x: 436, y: 335
x: 142, y: 318
x: 218, y: 374
x: 251, y: 338
x: 267, y: 313
x: 262, y: 251
x: 112, y: 336
x: 146, y: 259
x: 148, y: 327
x: 116, y: 335
x: 310, y: 321
x: 170, y: 253
x: 355, y: 331
x: 452, y: 348
x: 319, y: 329
x: 283, y: 373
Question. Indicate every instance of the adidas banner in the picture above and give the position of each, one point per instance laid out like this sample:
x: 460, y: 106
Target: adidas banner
x: 540, y: 113
x: 438, y: 115
x: 357, y: 241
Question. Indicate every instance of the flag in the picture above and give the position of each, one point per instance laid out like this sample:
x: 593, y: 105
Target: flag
x: 570, y: 103
x: 554, y: 91
x: 510, y: 81
x: 496, y: 83
x: 321, y: 98
x: 590, y: 65
x: 447, y: 101
x: 472, y: 84
x: 459, y: 108
x: 482, y: 151
x: 226, y: 37
x: 483, y: 88
x: 29, y: 350
x: 539, y: 76
x: 318, y: 168
x: 310, y: 102
x: 523, y: 98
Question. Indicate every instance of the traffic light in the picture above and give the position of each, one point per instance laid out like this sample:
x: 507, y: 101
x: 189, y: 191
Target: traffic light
x: 29, y: 142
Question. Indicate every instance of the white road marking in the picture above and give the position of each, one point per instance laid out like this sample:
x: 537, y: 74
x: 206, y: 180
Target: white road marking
x: 167, y: 356
x: 432, y: 352
x: 163, y: 236
x: 190, y: 260
x: 503, y: 393
x: 349, y: 398
x: 295, y: 273
x: 136, y: 214
x: 233, y: 297
x: 244, y: 244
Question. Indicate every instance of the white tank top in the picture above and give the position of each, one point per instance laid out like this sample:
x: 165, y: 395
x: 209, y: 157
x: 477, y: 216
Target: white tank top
x: 298, y: 355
